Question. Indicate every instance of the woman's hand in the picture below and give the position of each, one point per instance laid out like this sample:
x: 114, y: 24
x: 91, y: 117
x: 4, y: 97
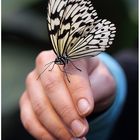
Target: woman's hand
x: 52, y: 108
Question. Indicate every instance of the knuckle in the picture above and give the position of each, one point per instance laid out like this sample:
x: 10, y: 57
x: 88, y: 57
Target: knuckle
x: 22, y: 100
x: 111, y: 84
x: 49, y: 84
x: 110, y: 80
x: 79, y: 88
x: 62, y: 134
x: 26, y: 122
x: 29, y: 78
x: 39, y: 109
x: 40, y: 58
x: 52, y: 81
x: 44, y: 136
x: 65, y: 111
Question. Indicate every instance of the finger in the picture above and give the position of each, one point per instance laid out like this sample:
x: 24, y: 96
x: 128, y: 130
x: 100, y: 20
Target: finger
x: 30, y: 122
x: 80, y: 88
x: 44, y: 110
x: 104, y: 95
x: 58, y: 94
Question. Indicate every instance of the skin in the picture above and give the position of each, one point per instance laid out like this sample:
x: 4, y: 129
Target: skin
x: 50, y: 106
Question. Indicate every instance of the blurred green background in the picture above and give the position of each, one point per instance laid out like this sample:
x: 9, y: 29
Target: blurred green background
x: 24, y: 35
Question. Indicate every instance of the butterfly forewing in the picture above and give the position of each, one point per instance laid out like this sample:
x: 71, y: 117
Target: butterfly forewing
x: 56, y: 9
x: 81, y: 20
x: 75, y: 29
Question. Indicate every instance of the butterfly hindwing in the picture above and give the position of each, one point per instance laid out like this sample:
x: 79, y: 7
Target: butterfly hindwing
x: 97, y: 40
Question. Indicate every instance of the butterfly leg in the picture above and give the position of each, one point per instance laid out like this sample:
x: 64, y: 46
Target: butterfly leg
x: 66, y: 73
x: 74, y: 65
x: 44, y: 69
x: 52, y: 67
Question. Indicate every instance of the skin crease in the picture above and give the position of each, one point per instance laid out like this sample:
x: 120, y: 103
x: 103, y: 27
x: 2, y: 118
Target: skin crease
x: 49, y: 105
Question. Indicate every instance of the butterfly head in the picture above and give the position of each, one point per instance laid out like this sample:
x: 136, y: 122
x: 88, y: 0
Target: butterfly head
x: 61, y: 60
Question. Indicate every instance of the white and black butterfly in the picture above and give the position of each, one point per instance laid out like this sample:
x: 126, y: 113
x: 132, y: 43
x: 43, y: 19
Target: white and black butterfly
x: 75, y: 30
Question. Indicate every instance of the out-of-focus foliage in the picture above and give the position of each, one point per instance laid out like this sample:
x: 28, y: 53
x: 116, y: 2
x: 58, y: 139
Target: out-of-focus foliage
x: 132, y: 8
x: 9, y: 7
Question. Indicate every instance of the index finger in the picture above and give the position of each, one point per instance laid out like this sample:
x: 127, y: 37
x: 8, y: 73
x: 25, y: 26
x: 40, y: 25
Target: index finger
x: 79, y: 86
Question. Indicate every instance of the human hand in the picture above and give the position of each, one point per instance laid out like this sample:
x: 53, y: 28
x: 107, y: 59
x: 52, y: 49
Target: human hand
x: 52, y: 108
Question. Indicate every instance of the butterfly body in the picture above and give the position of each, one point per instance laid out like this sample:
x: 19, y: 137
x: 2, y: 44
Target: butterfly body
x: 61, y: 60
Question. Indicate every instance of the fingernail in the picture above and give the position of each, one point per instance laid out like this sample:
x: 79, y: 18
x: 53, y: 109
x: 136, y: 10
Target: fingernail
x: 83, y: 106
x: 78, y: 128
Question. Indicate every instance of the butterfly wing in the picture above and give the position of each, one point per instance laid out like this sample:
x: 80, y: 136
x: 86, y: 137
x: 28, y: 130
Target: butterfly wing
x: 65, y: 22
x: 56, y: 9
x: 99, y: 38
x: 75, y: 29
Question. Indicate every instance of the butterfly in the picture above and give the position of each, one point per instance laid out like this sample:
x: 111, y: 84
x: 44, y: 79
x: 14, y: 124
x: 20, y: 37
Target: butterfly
x: 76, y: 31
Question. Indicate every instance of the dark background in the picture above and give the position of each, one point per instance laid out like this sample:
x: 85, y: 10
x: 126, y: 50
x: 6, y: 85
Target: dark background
x: 24, y: 35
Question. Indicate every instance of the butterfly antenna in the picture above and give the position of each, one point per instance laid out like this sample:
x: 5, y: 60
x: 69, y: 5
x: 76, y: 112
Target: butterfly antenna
x: 48, y: 64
